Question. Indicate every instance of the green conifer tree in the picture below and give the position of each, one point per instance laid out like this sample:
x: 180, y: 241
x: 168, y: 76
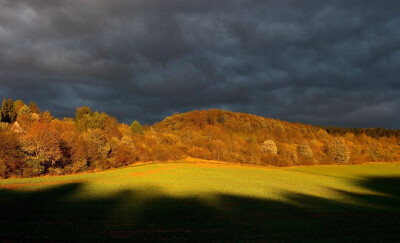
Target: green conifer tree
x: 7, y: 111
x: 12, y: 115
x: 3, y: 111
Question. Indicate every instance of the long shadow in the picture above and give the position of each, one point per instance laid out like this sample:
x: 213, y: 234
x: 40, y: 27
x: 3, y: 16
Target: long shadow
x: 149, y: 215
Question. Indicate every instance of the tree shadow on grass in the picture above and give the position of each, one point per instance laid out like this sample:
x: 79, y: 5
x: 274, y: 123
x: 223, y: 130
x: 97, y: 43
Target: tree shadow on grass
x: 148, y: 215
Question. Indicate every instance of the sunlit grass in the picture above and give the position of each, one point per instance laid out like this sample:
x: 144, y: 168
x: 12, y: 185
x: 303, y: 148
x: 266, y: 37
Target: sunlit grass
x: 201, y: 179
x: 205, y: 201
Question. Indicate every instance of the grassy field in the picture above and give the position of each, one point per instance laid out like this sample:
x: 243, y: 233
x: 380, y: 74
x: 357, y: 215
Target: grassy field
x: 206, y: 202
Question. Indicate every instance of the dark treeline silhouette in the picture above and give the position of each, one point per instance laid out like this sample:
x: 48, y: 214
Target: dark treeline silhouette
x: 34, y: 143
x: 147, y: 214
x: 372, y: 132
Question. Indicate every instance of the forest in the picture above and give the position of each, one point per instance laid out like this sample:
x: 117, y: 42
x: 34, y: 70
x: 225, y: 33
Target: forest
x: 34, y: 143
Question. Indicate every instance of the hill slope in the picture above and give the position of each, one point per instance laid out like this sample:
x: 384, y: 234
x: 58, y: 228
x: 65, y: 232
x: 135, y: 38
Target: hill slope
x: 230, y: 136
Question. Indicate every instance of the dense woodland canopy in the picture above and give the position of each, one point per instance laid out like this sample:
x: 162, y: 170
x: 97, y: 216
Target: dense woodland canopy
x: 34, y: 143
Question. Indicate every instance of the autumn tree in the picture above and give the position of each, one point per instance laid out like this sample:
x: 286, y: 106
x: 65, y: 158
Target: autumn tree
x: 82, y: 112
x: 217, y: 147
x: 67, y: 134
x: 34, y: 107
x: 305, y: 153
x: 376, y: 150
x: 110, y: 127
x: 287, y: 155
x: 125, y: 151
x: 85, y: 119
x: 96, y: 147
x: 254, y: 149
x: 304, y: 150
x: 10, y: 161
x: 136, y: 128
x: 4, y: 126
x: 24, y: 117
x: 46, y: 117
x: 269, y: 147
x: 42, y: 145
x: 201, y: 119
x: 79, y: 158
x: 338, y: 151
x: 269, y: 152
x: 18, y: 104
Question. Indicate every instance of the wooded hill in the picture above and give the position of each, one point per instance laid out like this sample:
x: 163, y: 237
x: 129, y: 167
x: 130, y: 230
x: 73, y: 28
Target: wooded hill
x: 34, y: 143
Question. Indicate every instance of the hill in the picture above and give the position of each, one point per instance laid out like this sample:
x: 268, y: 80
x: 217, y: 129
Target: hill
x: 34, y: 143
x: 246, y: 138
x: 180, y: 201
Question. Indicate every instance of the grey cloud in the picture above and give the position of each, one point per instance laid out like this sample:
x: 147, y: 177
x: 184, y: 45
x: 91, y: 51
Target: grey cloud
x: 319, y: 62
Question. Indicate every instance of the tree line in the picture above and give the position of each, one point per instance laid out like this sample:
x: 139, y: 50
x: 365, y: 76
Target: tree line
x: 372, y: 132
x: 34, y: 143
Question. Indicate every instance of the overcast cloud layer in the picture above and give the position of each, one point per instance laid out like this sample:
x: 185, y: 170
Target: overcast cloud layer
x: 322, y: 62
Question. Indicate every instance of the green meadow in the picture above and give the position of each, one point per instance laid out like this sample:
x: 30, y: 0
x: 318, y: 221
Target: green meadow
x: 186, y: 201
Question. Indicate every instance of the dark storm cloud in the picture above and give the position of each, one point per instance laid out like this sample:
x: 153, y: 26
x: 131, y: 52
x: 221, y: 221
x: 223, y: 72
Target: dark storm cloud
x: 320, y: 62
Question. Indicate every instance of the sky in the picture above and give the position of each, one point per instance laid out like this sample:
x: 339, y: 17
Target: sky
x: 321, y: 62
